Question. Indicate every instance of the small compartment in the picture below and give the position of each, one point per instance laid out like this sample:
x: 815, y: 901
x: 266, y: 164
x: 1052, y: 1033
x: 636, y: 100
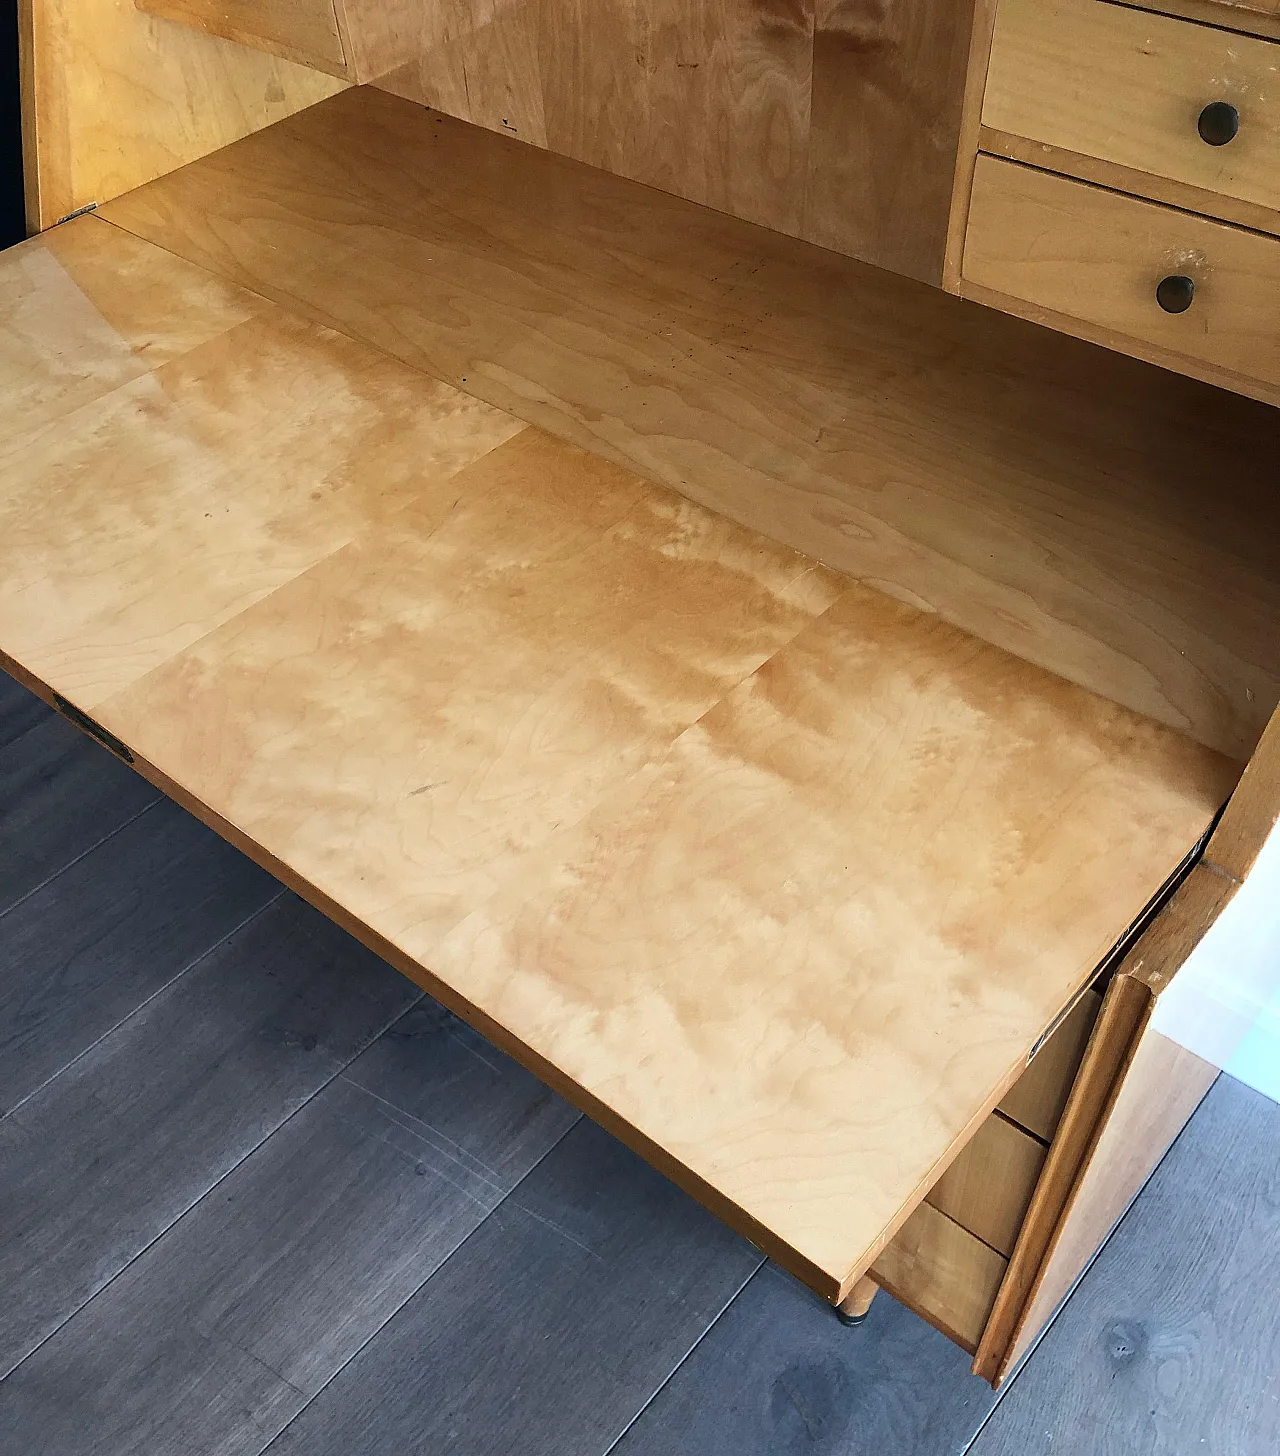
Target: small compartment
x: 943, y: 1272
x: 1036, y: 1100
x: 750, y: 688
x: 1184, y: 102
x: 948, y: 1259
x: 1148, y: 279
x: 1252, y: 17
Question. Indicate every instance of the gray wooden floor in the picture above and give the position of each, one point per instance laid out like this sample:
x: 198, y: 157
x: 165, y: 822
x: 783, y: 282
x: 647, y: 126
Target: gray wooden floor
x: 258, y: 1194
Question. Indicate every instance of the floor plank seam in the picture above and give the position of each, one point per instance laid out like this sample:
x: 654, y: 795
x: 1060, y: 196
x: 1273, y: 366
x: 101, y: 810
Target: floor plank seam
x: 433, y: 1138
x: 71, y: 863
x: 1025, y: 1362
x: 452, y: 1254
x: 222, y: 1177
x: 159, y: 991
x: 679, y: 1365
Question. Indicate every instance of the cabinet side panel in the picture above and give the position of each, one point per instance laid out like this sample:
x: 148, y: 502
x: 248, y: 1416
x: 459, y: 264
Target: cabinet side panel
x: 1163, y: 1087
x: 888, y: 97
x: 116, y: 98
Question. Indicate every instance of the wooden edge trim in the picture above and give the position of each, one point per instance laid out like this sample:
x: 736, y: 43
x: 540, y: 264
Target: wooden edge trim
x: 1147, y: 969
x: 1180, y: 927
x: 1115, y: 177
x: 1244, y: 18
x: 1162, y: 1088
x: 824, y: 1284
x: 1125, y: 1010
x: 980, y: 37
x: 28, y: 97
x: 227, y: 30
x: 1123, y: 343
x: 343, y: 23
x: 1252, y: 812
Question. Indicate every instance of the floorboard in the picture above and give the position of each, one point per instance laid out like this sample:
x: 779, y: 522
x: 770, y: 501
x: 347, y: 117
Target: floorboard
x: 105, y: 1158
x: 777, y: 1374
x: 548, y: 1329
x: 20, y: 709
x: 80, y: 954
x: 218, y: 1334
x: 1170, y: 1345
x: 60, y: 794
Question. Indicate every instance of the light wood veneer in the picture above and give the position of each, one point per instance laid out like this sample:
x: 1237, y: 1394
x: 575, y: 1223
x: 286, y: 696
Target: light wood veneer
x: 837, y: 122
x: 1127, y: 87
x: 1047, y: 496
x: 1061, y: 250
x: 112, y: 98
x: 778, y: 877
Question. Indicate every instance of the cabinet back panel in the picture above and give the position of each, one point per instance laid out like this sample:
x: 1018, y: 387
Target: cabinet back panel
x: 1091, y: 514
x: 831, y: 120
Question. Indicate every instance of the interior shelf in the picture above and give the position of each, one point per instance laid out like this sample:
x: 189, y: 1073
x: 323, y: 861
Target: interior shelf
x: 734, y: 679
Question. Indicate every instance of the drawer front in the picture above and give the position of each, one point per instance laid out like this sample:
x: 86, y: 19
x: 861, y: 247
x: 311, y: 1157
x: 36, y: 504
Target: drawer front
x: 1129, y: 87
x: 1099, y: 257
x: 988, y: 1188
x: 1257, y: 17
x: 1036, y: 1100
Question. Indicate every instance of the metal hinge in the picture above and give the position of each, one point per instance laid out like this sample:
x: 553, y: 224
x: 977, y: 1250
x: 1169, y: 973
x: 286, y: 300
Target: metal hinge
x: 94, y: 729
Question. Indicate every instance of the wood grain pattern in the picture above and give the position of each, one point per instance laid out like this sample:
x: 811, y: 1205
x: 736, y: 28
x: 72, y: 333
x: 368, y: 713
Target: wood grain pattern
x: 1252, y: 813
x: 988, y: 1187
x: 338, y: 435
x: 222, y: 1330
x: 305, y: 31
x: 110, y: 1154
x: 462, y: 712
x: 1126, y: 1008
x: 1128, y: 87
x: 549, y: 1311
x: 1034, y: 237
x: 1118, y: 178
x: 1043, y: 495
x: 1102, y: 1085
x: 1170, y: 1343
x: 984, y: 20
x: 831, y: 120
x: 543, y: 691
x: 1037, y: 1099
x: 301, y: 719
x: 1179, y: 928
x: 114, y: 98
x: 674, y: 877
x: 1254, y: 17
x: 944, y: 1273
x: 88, y: 293
x: 1163, y: 1086
x: 888, y: 91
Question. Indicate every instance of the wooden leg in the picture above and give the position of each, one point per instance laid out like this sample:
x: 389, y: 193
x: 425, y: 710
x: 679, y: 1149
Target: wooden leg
x: 854, y: 1309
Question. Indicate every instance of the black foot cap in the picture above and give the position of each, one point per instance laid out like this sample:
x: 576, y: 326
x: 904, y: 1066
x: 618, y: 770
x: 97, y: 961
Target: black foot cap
x: 851, y: 1321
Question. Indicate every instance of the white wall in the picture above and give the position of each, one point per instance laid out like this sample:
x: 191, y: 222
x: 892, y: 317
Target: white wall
x: 1224, y: 1003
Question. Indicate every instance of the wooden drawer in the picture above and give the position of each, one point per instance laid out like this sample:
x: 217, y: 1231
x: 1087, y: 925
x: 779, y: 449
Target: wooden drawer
x: 1096, y: 257
x: 1129, y: 87
x: 1254, y: 17
x: 948, y: 1260
x: 1036, y: 1099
